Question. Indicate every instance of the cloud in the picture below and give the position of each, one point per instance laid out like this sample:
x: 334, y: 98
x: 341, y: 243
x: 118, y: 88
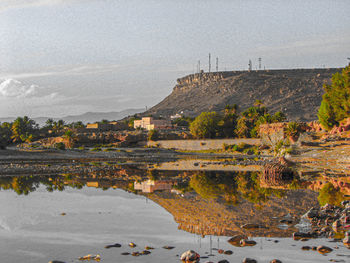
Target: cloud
x: 77, y: 70
x: 12, y: 4
x: 12, y: 88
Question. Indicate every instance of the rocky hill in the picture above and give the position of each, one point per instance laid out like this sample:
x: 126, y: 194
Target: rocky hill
x: 296, y: 92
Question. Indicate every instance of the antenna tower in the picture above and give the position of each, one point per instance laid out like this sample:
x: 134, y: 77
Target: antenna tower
x: 209, y: 63
x: 217, y: 64
x: 259, y: 63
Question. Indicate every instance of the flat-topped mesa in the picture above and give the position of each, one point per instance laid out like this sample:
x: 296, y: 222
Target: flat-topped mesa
x: 295, y: 92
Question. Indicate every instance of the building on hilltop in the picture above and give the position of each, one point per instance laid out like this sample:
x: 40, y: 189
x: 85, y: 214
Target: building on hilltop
x: 149, y: 123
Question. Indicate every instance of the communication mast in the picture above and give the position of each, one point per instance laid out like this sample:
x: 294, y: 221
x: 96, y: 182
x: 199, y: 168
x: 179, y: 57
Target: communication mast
x: 259, y: 63
x: 250, y: 65
x: 209, y: 63
x: 217, y: 64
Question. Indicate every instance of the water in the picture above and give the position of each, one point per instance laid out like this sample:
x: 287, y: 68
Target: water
x: 45, y: 218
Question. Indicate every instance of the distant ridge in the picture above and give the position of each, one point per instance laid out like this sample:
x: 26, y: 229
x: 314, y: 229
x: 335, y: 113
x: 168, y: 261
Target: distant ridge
x: 87, y: 117
x: 296, y: 92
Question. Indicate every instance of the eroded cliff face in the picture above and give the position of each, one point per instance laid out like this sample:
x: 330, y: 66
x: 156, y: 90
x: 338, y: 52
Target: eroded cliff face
x: 296, y: 92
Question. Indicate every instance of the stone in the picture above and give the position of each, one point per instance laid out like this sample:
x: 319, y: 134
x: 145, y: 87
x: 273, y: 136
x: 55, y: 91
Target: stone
x: 146, y: 252
x: 312, y: 213
x: 324, y: 249
x: 168, y: 247
x: 223, y: 261
x: 246, y: 242
x: 135, y: 254
x: 131, y: 244
x: 91, y: 257
x: 249, y: 260
x: 235, y: 240
x: 305, y: 248
x: 275, y: 261
x: 149, y: 248
x: 228, y: 252
x: 300, y: 235
x: 125, y: 253
x: 56, y: 261
x: 190, y: 255
x: 346, y: 240
x: 114, y: 245
x: 221, y: 251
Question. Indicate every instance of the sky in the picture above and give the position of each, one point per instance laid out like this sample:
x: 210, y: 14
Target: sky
x: 67, y: 57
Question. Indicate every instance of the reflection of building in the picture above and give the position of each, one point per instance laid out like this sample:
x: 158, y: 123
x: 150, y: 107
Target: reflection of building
x: 149, y: 123
x: 150, y: 186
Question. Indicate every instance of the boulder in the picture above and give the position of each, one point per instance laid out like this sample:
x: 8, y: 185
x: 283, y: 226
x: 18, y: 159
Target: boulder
x: 324, y: 249
x: 249, y: 260
x: 190, y: 256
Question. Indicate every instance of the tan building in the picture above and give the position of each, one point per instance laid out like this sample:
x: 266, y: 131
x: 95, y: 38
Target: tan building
x: 150, y: 186
x: 149, y: 123
x: 110, y: 126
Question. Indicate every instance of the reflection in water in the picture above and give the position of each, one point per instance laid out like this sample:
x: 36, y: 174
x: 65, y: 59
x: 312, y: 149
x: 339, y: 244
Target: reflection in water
x: 205, y: 203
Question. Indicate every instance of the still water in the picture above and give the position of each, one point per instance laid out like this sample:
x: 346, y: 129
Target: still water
x: 65, y: 217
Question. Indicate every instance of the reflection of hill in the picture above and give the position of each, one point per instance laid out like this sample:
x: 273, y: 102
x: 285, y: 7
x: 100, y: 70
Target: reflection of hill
x: 212, y: 217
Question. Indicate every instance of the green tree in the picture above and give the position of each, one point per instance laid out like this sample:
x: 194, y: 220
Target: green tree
x: 70, y: 137
x: 335, y: 105
x: 23, y: 129
x: 153, y: 135
x: 5, y: 135
x: 206, y: 125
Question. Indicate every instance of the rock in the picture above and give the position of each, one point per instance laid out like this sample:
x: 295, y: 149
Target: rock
x: 114, y: 245
x: 275, y: 261
x: 56, y: 261
x: 312, y: 213
x: 63, y: 214
x: 251, y: 226
x: 135, y: 254
x: 246, y: 242
x: 221, y: 251
x: 249, y: 260
x: 125, y: 253
x: 131, y: 244
x: 336, y: 225
x: 228, y: 252
x: 91, y: 257
x: 224, y: 261
x: 324, y: 249
x: 148, y: 248
x: 346, y: 240
x: 300, y: 235
x: 236, y: 239
x: 305, y: 248
x: 190, y: 255
x: 146, y: 252
x: 168, y: 247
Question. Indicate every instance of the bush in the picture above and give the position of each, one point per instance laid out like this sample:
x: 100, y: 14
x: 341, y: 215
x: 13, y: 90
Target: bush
x: 60, y: 146
x: 153, y: 135
x: 205, y: 125
x: 335, y: 105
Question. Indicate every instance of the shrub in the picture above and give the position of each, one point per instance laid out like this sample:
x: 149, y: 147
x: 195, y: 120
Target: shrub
x: 60, y: 146
x: 205, y: 125
x: 335, y: 105
x: 153, y: 135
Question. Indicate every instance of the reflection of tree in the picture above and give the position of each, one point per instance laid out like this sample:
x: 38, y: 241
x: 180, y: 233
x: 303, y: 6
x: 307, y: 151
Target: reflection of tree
x: 26, y: 184
x: 231, y: 187
x: 330, y: 195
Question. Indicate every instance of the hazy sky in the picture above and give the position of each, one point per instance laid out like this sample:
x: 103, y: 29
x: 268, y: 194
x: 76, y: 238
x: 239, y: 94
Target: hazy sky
x: 62, y: 57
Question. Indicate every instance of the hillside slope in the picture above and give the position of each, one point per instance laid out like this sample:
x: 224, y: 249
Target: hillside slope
x: 296, y: 92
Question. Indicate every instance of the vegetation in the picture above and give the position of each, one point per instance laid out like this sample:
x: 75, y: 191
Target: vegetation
x: 206, y: 125
x: 153, y: 135
x: 330, y: 195
x: 335, y: 105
